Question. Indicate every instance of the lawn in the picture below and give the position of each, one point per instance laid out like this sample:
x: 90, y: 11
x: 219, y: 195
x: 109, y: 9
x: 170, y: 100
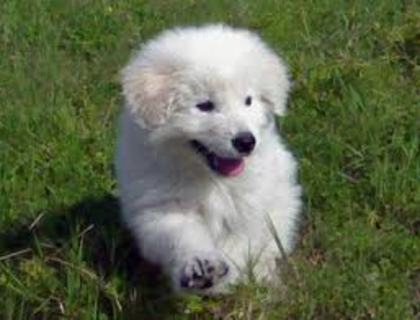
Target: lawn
x: 353, y: 123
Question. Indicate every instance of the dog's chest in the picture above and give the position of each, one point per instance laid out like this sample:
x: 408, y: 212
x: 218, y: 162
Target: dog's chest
x: 234, y: 211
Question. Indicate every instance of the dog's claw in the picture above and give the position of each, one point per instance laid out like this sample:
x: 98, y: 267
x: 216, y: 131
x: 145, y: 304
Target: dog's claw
x: 203, y: 273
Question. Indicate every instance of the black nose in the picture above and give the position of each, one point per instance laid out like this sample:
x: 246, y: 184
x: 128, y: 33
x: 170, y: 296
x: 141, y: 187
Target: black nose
x: 244, y: 142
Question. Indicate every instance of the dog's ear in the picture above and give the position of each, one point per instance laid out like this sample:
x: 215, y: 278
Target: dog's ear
x: 149, y: 93
x: 276, y: 83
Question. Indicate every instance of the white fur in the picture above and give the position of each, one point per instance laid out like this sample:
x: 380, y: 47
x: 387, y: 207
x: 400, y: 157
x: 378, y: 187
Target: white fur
x: 177, y: 208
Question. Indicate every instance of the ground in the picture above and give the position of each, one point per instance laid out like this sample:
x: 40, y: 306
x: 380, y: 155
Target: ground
x: 353, y: 123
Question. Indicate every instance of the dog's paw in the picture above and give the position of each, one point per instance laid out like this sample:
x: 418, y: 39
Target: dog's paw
x: 203, y: 272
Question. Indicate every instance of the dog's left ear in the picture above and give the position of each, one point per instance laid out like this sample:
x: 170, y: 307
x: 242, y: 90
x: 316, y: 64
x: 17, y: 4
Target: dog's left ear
x: 148, y: 91
x: 277, y: 83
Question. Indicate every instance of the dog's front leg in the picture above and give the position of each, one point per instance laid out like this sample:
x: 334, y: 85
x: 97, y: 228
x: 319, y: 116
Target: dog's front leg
x: 182, y: 245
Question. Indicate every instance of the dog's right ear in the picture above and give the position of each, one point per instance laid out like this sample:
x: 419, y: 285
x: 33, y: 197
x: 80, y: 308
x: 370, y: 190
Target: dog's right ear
x: 148, y: 92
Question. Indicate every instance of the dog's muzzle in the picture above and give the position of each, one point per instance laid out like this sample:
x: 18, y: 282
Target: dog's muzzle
x: 225, y: 166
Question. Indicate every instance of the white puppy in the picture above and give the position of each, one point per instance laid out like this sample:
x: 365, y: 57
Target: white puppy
x: 202, y: 173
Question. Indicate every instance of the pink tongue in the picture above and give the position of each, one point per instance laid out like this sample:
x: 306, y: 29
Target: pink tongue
x: 229, y: 167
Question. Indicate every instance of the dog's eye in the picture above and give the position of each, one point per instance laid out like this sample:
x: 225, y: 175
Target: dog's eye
x: 248, y: 100
x: 205, y: 106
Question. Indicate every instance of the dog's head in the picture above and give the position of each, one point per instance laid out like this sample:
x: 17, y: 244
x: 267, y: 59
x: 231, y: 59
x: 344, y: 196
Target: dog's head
x: 212, y: 89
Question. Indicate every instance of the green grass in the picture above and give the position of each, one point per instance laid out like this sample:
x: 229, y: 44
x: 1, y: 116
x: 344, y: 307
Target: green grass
x: 354, y: 123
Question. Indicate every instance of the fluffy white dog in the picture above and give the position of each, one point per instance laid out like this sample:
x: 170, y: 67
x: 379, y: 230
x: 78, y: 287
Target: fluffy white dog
x: 204, y: 177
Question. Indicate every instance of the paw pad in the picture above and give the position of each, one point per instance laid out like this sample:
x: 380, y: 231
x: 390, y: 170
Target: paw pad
x: 203, y: 273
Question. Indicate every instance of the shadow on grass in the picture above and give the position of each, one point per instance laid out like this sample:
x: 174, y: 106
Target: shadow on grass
x: 107, y: 250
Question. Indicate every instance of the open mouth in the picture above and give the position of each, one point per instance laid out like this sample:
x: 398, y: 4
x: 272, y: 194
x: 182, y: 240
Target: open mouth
x: 229, y: 167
